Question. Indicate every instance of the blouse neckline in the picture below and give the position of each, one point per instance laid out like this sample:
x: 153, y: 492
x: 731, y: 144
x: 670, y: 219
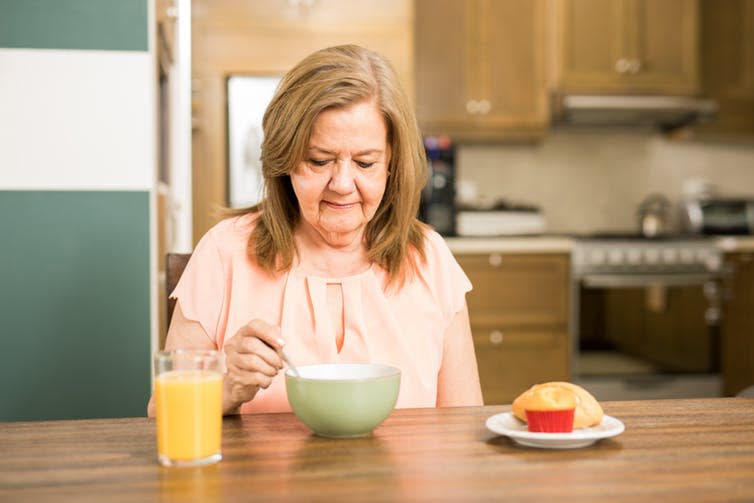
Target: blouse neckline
x: 334, y: 279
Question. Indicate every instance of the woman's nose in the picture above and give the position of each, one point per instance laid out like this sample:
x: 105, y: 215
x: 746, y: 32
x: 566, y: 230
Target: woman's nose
x: 342, y: 180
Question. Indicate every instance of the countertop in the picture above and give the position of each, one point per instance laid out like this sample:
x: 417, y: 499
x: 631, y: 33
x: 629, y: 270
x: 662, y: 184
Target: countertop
x: 560, y: 244
x: 671, y: 450
x: 512, y: 244
x: 735, y: 243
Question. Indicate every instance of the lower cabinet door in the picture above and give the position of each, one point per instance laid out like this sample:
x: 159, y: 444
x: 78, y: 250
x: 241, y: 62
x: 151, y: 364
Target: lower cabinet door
x: 512, y: 360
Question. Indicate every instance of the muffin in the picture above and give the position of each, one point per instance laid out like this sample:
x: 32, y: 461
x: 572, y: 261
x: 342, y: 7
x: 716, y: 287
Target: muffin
x: 549, y: 409
x: 557, y: 396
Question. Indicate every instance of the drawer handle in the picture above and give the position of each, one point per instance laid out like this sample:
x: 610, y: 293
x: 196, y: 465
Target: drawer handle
x: 495, y: 259
x: 496, y: 337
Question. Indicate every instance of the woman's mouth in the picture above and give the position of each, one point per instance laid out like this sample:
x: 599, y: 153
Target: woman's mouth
x: 339, y: 206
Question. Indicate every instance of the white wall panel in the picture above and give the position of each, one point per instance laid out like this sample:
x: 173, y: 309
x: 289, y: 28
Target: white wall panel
x: 77, y: 120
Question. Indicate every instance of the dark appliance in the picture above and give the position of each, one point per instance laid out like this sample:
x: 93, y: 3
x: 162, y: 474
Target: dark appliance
x: 646, y: 315
x: 438, y: 207
x: 720, y: 216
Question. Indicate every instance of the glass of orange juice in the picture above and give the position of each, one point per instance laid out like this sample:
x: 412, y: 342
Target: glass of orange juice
x: 188, y: 399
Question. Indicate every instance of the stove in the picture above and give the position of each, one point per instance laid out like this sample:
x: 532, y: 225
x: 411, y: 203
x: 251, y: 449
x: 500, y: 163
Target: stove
x: 633, y: 255
x: 627, y: 267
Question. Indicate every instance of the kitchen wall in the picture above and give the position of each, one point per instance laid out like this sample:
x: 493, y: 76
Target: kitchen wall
x: 77, y: 179
x: 586, y: 181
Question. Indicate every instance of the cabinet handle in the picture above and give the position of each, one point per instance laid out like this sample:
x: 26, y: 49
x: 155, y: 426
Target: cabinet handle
x: 480, y: 107
x: 623, y: 66
x: 495, y: 259
x: 496, y: 337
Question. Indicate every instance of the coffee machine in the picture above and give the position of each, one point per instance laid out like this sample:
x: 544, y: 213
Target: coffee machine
x: 438, y: 197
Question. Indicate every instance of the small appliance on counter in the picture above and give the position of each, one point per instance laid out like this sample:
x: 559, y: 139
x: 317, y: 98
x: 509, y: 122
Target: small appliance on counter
x: 720, y: 215
x: 499, y: 219
x: 438, y: 197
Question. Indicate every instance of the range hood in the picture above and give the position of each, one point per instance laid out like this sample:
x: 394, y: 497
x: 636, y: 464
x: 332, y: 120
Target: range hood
x: 664, y: 112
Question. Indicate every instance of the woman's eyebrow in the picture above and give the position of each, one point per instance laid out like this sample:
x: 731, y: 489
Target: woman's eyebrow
x: 371, y: 151
x: 320, y: 149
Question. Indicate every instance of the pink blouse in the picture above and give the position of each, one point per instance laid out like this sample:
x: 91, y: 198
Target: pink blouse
x: 403, y: 327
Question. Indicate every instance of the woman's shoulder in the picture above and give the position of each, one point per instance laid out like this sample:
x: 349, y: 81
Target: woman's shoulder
x: 233, y: 232
x: 435, y: 247
x: 441, y: 273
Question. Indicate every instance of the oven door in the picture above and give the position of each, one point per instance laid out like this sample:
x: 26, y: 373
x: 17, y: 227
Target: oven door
x: 663, y: 323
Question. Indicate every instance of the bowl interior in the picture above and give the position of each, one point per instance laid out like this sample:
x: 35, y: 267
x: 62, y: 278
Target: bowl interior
x: 343, y: 371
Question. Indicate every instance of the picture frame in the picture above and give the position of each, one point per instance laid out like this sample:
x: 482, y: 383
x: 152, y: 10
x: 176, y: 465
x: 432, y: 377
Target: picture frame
x: 247, y: 100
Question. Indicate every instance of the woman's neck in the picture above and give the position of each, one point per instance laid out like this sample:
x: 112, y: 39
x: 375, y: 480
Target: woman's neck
x: 318, y: 257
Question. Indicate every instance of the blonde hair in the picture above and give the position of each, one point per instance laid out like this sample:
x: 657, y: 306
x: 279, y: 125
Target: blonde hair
x: 332, y: 78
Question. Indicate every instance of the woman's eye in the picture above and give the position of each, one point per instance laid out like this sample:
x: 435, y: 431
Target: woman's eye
x: 364, y: 164
x: 319, y: 162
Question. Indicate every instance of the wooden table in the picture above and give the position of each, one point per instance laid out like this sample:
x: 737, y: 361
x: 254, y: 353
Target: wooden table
x: 671, y: 451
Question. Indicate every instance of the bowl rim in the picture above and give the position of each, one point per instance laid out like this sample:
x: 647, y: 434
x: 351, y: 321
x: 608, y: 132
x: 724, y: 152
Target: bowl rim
x: 390, y: 372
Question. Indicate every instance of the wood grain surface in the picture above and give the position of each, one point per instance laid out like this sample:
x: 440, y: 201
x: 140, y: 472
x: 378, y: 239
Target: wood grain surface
x: 671, y: 451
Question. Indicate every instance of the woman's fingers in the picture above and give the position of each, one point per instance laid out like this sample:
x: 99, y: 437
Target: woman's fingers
x: 265, y: 364
x: 268, y: 334
x: 252, y: 360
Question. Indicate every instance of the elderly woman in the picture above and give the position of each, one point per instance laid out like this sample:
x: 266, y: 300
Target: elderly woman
x: 333, y: 262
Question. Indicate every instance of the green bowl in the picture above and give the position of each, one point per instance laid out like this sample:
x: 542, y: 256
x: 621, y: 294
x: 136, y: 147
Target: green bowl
x: 343, y: 399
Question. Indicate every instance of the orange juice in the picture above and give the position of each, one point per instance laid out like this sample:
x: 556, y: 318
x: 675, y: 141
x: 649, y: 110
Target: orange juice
x: 189, y: 416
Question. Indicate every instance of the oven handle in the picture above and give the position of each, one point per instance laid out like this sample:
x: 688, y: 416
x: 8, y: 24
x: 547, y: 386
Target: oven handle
x: 643, y: 280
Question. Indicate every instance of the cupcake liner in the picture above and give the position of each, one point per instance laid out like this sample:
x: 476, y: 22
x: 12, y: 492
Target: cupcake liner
x: 550, y: 421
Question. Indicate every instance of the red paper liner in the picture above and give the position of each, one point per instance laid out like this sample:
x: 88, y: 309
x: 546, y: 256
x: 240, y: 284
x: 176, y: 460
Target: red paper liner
x: 550, y: 421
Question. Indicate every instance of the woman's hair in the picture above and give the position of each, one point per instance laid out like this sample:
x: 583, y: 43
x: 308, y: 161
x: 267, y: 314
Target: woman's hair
x: 333, y: 78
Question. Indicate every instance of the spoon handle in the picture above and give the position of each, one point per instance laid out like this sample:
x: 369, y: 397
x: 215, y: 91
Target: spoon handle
x: 285, y: 358
x: 288, y: 362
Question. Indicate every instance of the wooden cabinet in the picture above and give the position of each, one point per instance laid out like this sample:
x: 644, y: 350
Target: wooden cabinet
x: 519, y: 318
x: 728, y: 63
x: 480, y: 68
x: 738, y: 323
x: 627, y: 46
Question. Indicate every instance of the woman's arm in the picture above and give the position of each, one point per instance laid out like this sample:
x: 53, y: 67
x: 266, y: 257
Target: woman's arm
x: 458, y: 382
x: 182, y: 334
x: 251, y: 357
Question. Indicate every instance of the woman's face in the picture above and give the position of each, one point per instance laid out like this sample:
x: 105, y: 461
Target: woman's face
x: 341, y: 180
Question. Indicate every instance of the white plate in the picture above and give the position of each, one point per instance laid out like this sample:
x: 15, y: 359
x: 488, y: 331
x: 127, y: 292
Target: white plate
x: 507, y: 424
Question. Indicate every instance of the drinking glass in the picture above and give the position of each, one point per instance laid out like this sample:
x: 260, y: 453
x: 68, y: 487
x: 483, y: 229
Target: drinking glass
x: 188, y: 399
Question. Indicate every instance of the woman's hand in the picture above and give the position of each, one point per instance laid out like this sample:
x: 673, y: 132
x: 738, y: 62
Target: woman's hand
x: 252, y: 360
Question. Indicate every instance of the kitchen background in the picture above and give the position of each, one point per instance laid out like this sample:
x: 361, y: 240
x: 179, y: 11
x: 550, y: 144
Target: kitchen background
x: 594, y: 181
x: 113, y: 147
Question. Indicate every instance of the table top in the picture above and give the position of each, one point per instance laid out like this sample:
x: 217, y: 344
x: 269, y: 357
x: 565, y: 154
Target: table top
x: 671, y: 450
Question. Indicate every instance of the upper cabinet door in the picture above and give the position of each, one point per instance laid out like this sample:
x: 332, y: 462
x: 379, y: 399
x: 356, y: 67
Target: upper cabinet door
x: 480, y: 68
x: 627, y: 46
x: 512, y: 65
x: 444, y: 31
x: 728, y: 63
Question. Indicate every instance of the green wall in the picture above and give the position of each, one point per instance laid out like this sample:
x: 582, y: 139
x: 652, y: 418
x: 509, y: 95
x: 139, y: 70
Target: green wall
x: 74, y: 304
x: 74, y: 24
x: 75, y: 280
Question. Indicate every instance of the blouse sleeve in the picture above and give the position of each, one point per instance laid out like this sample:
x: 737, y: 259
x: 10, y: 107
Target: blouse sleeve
x: 446, y: 277
x: 201, y: 289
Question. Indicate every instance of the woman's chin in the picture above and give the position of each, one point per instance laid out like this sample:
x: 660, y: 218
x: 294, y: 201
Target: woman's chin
x: 342, y: 235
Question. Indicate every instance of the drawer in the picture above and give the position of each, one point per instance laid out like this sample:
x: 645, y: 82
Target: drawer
x: 510, y: 361
x: 517, y: 289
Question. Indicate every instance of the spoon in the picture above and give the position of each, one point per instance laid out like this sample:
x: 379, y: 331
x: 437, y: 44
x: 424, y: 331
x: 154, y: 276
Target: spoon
x: 285, y: 358
x: 288, y: 362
